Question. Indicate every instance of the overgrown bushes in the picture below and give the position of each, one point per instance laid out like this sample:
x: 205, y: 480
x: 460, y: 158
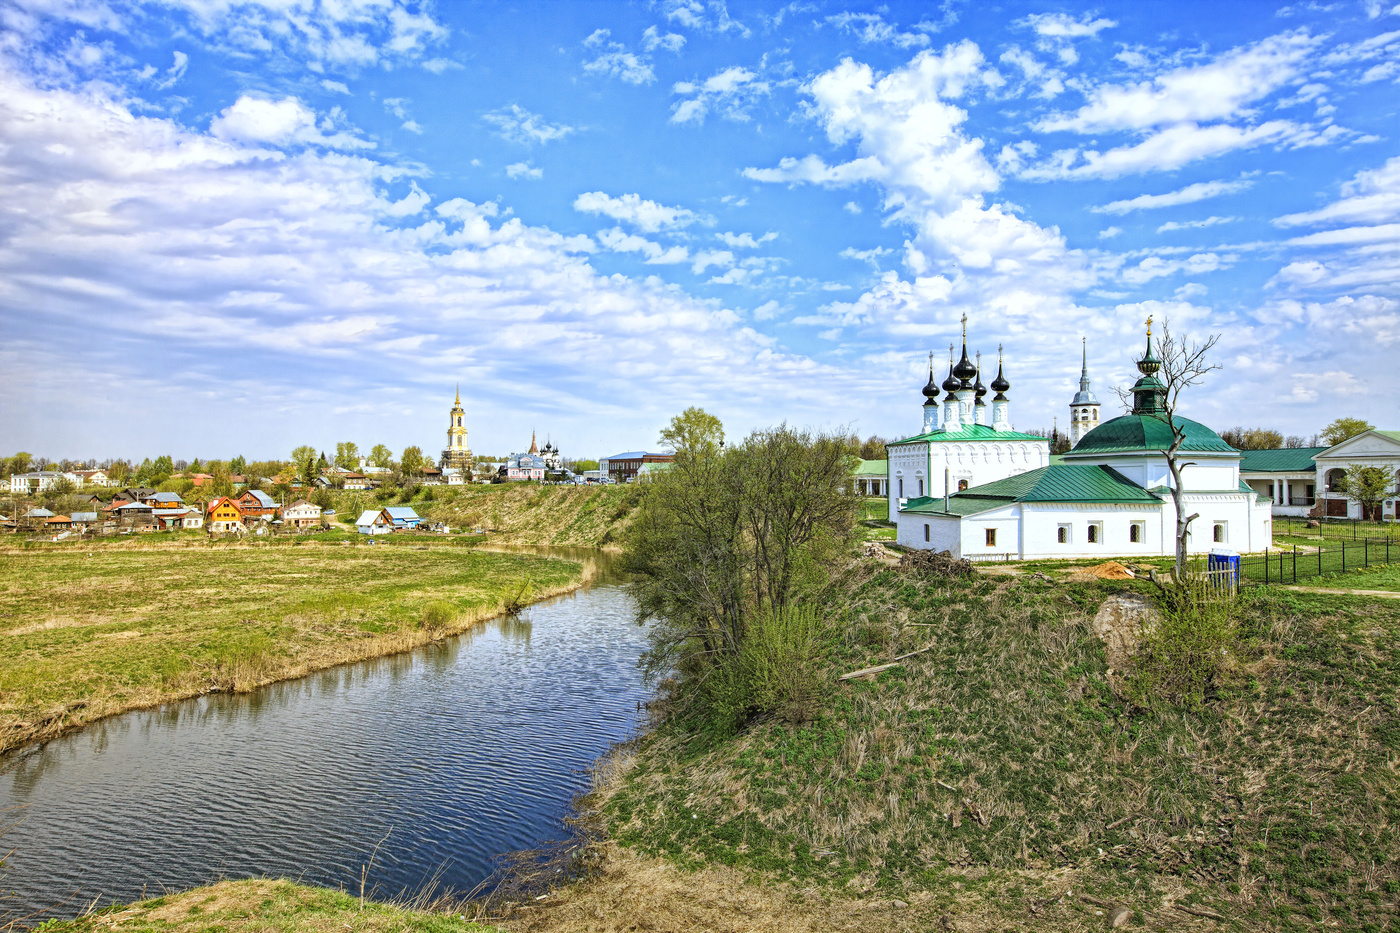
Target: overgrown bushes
x: 1184, y: 655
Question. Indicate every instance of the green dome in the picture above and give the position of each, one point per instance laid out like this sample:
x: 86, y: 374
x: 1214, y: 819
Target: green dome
x: 1131, y: 433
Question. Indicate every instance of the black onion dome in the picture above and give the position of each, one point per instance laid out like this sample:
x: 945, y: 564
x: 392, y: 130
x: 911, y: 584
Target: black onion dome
x: 1000, y: 385
x: 951, y: 384
x: 930, y: 389
x: 979, y: 387
x: 965, y: 371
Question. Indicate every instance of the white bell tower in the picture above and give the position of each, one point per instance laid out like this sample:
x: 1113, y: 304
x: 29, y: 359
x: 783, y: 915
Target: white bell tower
x: 1084, y: 409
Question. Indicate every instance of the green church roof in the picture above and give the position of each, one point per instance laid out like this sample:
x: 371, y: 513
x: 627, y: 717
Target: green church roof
x: 969, y: 432
x: 1134, y: 433
x: 1280, y: 460
x: 1066, y: 483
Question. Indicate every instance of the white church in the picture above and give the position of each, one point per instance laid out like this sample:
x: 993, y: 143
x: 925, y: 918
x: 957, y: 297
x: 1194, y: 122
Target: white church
x: 972, y: 485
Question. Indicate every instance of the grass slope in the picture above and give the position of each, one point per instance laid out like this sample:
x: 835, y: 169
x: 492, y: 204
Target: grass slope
x: 88, y: 633
x: 265, y: 907
x: 990, y: 776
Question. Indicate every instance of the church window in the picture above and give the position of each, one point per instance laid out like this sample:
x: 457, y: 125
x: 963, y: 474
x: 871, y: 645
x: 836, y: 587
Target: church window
x: 991, y: 537
x: 962, y: 484
x: 1062, y: 534
x: 1135, y: 531
x: 926, y: 532
x: 1094, y: 533
x: 1219, y: 533
x: 901, y: 487
x: 921, y: 487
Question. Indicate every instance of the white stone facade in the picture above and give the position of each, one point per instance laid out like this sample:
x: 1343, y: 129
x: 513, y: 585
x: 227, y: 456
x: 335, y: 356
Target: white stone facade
x: 1380, y: 449
x: 919, y: 468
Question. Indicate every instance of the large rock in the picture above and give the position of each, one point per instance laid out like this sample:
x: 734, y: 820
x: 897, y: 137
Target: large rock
x: 1122, y: 622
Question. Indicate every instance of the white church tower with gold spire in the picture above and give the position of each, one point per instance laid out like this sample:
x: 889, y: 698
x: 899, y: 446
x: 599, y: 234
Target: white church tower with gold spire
x: 457, y: 455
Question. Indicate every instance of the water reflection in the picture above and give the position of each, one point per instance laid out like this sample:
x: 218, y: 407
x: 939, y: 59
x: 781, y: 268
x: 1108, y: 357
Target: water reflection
x: 466, y: 749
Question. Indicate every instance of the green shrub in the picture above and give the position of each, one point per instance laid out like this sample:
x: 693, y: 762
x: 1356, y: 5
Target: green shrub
x: 439, y: 614
x: 773, y: 673
x: 1184, y: 656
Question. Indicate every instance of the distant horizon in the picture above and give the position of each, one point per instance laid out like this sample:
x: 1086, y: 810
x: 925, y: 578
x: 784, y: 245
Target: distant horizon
x: 250, y: 225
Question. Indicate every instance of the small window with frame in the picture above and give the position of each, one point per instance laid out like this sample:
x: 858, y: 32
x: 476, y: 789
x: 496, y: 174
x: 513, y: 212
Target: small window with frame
x: 991, y: 537
x: 1095, y: 533
x: 926, y: 532
x: 1221, y: 535
x: 1062, y: 534
x: 1136, y: 532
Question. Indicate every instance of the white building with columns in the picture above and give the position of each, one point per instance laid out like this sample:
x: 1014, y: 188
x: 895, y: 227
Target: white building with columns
x: 1110, y: 496
x: 965, y: 442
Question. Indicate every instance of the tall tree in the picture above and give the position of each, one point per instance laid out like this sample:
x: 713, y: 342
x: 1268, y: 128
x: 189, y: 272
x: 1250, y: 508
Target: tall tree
x: 381, y: 456
x: 1252, y: 438
x: 874, y: 448
x: 347, y: 455
x: 1344, y: 428
x: 694, y: 431
x: 412, y: 462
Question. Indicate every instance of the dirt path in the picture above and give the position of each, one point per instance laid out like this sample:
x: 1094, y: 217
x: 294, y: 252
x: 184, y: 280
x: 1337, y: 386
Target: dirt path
x: 1384, y: 594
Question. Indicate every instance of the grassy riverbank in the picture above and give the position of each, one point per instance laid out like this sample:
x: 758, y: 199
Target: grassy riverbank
x: 86, y: 633
x: 265, y: 907
x: 996, y: 780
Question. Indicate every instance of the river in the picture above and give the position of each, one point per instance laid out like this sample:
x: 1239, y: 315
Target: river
x: 445, y: 757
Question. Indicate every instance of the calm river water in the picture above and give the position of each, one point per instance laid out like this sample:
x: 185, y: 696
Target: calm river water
x: 452, y: 755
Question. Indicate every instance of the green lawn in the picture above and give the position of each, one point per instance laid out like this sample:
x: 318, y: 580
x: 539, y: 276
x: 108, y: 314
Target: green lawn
x: 86, y: 632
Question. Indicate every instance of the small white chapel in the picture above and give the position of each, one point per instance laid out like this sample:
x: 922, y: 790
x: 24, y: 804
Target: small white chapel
x: 1004, y: 497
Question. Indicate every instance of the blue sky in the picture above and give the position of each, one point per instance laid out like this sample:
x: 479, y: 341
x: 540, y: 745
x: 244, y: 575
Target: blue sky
x: 236, y: 227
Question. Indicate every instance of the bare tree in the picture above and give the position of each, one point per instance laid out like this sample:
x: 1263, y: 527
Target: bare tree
x: 1182, y: 364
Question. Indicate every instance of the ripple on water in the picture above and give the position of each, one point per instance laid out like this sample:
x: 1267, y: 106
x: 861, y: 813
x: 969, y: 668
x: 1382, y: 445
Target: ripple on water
x: 456, y: 753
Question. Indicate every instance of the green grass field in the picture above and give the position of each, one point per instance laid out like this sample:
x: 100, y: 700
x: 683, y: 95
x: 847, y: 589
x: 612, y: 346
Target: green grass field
x: 92, y: 631
x: 987, y: 776
x: 265, y: 907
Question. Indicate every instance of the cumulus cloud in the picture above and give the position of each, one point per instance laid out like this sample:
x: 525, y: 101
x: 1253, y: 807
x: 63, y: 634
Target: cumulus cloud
x: 524, y: 170
x: 708, y: 17
x: 652, y: 39
x: 282, y: 122
x: 744, y: 240
x: 1064, y: 26
x: 517, y: 125
x: 645, y: 215
x: 614, y: 60
x: 1195, y: 224
x: 1371, y: 197
x: 871, y: 29
x: 1155, y: 267
x: 170, y: 242
x: 729, y: 92
x: 1192, y: 193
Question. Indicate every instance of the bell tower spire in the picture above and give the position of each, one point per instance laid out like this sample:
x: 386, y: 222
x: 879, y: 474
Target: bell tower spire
x: 1084, y: 408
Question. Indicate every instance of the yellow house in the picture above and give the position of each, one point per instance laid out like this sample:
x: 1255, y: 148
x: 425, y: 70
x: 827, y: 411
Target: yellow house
x: 224, y: 515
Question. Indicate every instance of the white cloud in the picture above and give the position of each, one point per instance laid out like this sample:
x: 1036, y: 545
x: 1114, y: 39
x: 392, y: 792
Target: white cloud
x: 1192, y: 193
x: 335, y: 87
x: 871, y: 256
x: 614, y: 60
x: 730, y: 92
x: 619, y: 241
x: 852, y: 207
x: 648, y: 216
x: 767, y: 311
x: 871, y: 28
x: 290, y: 273
x: 744, y: 240
x: 1190, y: 290
x: 1371, y: 197
x: 652, y: 39
x: 1049, y: 82
x: 1155, y: 267
x: 708, y: 17
x: 523, y: 170
x: 439, y: 65
x: 1062, y: 25
x: 1373, y: 318
x: 517, y: 125
x: 282, y: 122
x: 1109, y: 233
x: 1195, y: 224
x: 1215, y: 91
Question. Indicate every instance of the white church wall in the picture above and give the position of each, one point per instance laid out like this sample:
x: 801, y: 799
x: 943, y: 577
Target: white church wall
x: 929, y: 532
x: 1113, y: 525
x: 1006, y: 525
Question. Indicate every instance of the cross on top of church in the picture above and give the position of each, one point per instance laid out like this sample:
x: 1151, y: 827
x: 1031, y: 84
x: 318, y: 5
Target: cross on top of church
x: 1149, y: 325
x: 964, y: 326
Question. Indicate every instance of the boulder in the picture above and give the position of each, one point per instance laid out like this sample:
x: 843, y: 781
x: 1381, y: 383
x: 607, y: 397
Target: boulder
x: 1122, y: 621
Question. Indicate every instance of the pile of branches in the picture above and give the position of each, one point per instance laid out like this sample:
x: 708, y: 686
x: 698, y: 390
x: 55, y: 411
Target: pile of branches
x: 936, y: 563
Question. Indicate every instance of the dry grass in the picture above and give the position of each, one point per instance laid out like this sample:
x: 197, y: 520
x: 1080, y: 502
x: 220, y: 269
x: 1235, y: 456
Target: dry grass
x: 86, y: 634
x: 528, y: 513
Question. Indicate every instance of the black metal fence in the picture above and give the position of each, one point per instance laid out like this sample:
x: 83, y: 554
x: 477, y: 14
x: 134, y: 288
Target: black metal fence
x: 1289, y: 565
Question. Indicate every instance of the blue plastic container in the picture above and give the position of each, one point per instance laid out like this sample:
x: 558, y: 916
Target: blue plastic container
x: 1224, y: 566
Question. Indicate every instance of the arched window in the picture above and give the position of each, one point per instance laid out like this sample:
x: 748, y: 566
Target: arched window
x: 1093, y: 534
x: 1135, y: 533
x: 1334, y: 479
x: 962, y: 484
x: 1219, y: 533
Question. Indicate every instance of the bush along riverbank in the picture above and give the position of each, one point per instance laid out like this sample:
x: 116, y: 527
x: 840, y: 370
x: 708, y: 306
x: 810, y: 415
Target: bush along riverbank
x: 87, y: 634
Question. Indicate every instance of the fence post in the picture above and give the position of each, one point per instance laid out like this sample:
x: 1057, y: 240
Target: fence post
x: 1366, y: 552
x: 1344, y: 554
x: 1319, y: 559
x: 1295, y: 563
x: 1266, y: 566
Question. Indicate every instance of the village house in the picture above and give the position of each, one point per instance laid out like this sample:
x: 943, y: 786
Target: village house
x: 1379, y: 449
x: 164, y: 500
x: 223, y: 515
x: 254, y: 503
x: 624, y: 467
x: 1287, y: 477
x: 374, y: 522
x: 33, y: 484
x: 302, y: 514
x: 872, y: 478
x: 94, y: 478
x: 136, y: 516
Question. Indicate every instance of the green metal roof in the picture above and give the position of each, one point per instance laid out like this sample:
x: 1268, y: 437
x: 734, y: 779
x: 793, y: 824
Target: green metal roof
x: 1065, y: 483
x: 1134, y: 433
x: 1393, y: 435
x: 970, y: 432
x: 872, y: 468
x: 1281, y: 460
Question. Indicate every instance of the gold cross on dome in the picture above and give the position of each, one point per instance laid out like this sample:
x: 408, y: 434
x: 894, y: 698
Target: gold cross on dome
x: 1149, y: 325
